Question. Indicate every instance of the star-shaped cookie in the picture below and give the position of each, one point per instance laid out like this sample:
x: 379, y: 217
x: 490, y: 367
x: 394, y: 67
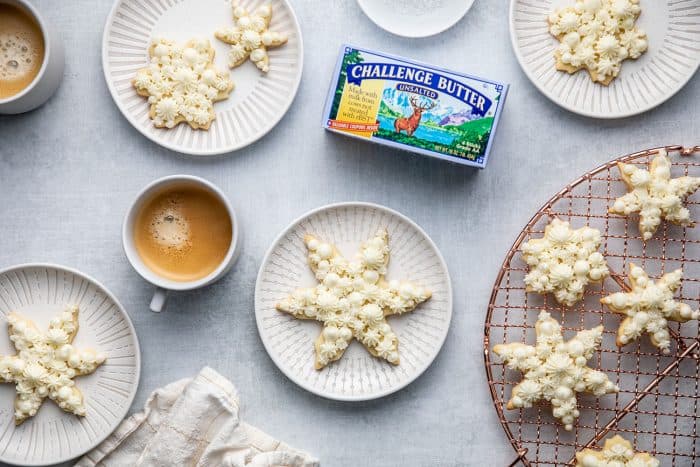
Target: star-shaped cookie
x: 555, y: 370
x: 564, y: 261
x: 617, y: 452
x: 251, y: 37
x: 655, y: 195
x: 46, y: 364
x: 648, y: 308
x: 353, y: 299
x: 182, y: 84
x: 597, y: 35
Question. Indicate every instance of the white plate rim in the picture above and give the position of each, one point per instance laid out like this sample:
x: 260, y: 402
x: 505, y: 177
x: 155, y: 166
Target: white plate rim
x: 585, y: 113
x: 467, y: 6
x: 299, y: 381
x: 200, y: 152
x: 137, y: 353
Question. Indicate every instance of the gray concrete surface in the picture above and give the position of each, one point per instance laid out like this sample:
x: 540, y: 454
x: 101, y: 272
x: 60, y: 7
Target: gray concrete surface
x: 69, y: 170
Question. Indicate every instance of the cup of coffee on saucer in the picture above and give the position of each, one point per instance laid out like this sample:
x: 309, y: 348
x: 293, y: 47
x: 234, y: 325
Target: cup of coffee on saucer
x: 181, y: 233
x: 31, y: 58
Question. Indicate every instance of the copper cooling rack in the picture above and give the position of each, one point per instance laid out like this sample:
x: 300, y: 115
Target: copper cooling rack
x: 657, y: 406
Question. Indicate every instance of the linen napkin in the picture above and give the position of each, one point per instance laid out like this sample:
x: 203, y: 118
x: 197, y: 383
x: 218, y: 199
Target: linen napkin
x: 193, y: 422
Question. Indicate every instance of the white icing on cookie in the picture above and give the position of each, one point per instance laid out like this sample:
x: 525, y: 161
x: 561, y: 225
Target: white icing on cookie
x: 564, y: 261
x: 617, y: 452
x: 250, y: 36
x: 648, y: 308
x: 655, y: 195
x: 353, y: 299
x: 45, y: 364
x: 555, y: 370
x: 182, y: 84
x: 597, y: 35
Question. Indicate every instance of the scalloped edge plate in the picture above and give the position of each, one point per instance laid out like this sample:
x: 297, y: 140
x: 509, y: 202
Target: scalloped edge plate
x: 357, y: 376
x: 255, y: 106
x: 33, y: 290
x: 643, y: 84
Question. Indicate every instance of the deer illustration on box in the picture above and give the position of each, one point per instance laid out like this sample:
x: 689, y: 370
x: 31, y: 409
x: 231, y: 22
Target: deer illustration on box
x: 410, y: 124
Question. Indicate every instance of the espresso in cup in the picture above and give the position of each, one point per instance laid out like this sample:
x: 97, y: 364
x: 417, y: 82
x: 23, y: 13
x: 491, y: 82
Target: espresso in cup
x: 183, y: 233
x: 21, y: 50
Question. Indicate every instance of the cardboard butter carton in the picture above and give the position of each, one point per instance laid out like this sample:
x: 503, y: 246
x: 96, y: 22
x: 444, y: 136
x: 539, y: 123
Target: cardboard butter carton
x: 413, y: 106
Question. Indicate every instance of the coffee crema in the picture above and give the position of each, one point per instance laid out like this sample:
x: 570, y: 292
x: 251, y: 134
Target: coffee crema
x: 21, y: 50
x: 183, y: 233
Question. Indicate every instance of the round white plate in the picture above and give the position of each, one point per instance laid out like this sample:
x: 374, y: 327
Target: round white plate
x: 40, y: 292
x: 672, y: 59
x: 357, y: 375
x: 254, y: 107
x: 415, y: 18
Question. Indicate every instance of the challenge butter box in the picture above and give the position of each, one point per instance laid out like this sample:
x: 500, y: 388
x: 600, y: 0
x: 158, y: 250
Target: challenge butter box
x: 413, y: 106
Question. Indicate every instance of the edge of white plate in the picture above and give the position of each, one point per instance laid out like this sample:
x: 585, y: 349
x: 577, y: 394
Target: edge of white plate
x: 469, y: 5
x: 137, y: 352
x: 301, y: 383
x: 575, y: 110
x: 195, y: 152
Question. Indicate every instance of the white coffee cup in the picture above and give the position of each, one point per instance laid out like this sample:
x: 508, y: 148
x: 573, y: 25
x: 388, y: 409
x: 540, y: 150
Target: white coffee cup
x: 164, y: 285
x: 50, y: 74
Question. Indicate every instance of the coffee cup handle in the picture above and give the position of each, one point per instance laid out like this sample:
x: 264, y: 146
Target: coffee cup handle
x: 158, y: 300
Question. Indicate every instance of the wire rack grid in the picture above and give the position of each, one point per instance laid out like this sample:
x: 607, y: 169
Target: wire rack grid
x: 657, y: 406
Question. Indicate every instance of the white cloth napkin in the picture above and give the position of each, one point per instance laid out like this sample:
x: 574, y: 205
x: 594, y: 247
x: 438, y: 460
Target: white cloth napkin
x: 193, y: 422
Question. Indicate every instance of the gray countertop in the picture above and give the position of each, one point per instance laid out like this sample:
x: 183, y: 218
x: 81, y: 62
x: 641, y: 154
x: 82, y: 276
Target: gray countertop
x: 69, y: 170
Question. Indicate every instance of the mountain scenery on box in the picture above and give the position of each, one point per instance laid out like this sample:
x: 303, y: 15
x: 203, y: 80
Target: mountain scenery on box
x: 446, y: 129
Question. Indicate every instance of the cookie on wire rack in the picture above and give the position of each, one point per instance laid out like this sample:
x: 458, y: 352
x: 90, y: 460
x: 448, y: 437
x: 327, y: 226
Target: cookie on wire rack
x: 655, y: 195
x: 648, y: 307
x: 564, y: 261
x: 555, y: 370
x: 617, y: 452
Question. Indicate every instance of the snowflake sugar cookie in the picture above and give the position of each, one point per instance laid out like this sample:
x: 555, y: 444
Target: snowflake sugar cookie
x: 554, y: 370
x: 648, y: 307
x: 564, y: 261
x: 597, y: 35
x: 655, y: 195
x: 617, y: 452
x: 251, y: 37
x: 45, y: 364
x: 353, y: 299
x: 182, y: 84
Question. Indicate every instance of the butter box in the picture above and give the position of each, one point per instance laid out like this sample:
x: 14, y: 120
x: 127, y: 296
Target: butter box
x: 409, y: 105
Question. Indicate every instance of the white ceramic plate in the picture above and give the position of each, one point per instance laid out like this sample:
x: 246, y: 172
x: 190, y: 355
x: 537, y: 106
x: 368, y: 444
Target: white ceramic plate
x: 415, y: 18
x: 672, y: 59
x: 255, y: 106
x: 357, y: 375
x: 40, y: 292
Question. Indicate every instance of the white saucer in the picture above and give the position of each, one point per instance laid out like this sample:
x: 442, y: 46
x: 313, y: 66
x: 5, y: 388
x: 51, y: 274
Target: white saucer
x: 357, y: 375
x: 40, y: 292
x: 642, y: 84
x: 254, y: 107
x: 415, y: 18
